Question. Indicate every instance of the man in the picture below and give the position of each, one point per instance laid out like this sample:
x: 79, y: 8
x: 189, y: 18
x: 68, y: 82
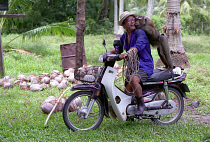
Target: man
x: 136, y: 40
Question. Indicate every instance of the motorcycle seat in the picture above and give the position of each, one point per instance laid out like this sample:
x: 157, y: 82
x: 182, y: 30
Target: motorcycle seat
x: 160, y: 75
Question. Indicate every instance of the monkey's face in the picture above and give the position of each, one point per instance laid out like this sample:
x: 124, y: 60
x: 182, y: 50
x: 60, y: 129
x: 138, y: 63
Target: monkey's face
x: 140, y: 22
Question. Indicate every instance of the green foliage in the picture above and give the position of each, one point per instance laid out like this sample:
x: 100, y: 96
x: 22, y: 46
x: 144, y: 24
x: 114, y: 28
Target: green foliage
x: 197, y: 22
x: 102, y: 27
x: 159, y: 22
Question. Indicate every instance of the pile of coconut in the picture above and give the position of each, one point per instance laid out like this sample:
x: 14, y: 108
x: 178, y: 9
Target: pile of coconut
x: 38, y: 83
x: 46, y: 80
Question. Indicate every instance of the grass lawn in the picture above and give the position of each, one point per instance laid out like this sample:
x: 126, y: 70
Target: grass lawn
x: 21, y: 118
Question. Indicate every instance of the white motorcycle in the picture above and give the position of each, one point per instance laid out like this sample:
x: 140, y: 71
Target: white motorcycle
x: 163, y: 94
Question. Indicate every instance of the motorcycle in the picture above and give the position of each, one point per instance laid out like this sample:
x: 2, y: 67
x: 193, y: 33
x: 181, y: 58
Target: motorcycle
x: 163, y: 94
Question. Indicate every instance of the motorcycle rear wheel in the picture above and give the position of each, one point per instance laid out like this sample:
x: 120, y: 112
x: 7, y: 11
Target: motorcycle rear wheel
x: 172, y: 118
x: 75, y: 108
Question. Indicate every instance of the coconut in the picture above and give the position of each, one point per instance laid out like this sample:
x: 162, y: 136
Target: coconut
x: 60, y: 104
x: 35, y: 80
x: 7, y: 85
x: 71, y: 78
x: 2, y: 81
x: 54, y: 83
x: 35, y: 87
x: 63, y: 84
x: 45, y: 80
x: 46, y: 107
x: 75, y: 104
x: 48, y: 104
x: 58, y: 78
x: 16, y: 82
x: 7, y: 78
x: 23, y: 85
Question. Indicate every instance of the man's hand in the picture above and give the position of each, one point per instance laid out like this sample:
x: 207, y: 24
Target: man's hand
x: 123, y: 56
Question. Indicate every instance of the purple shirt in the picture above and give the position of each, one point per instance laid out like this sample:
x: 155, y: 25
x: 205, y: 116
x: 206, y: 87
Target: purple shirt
x: 139, y: 40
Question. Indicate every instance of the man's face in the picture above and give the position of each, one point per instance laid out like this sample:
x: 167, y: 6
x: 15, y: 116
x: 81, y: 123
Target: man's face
x: 129, y: 23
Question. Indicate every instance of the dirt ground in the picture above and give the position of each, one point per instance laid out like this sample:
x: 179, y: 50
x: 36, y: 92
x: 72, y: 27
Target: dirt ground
x: 191, y: 112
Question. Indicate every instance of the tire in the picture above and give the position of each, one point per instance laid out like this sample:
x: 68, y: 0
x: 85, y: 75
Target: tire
x: 176, y: 115
x: 73, y: 113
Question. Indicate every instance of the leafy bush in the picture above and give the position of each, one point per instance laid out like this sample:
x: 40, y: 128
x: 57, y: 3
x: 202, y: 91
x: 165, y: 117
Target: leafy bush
x: 102, y: 27
x: 159, y: 22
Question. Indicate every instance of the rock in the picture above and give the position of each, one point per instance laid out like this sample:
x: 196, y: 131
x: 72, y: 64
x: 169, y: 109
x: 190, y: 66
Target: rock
x: 195, y: 104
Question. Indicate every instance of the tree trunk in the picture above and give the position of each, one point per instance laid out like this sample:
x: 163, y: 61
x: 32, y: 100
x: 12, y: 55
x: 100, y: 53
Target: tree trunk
x: 150, y: 8
x: 121, y: 10
x: 177, y: 49
x: 80, y: 32
x: 115, y: 17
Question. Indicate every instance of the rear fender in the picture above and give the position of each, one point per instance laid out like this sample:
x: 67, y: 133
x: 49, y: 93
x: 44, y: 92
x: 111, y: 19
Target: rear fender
x: 183, y: 88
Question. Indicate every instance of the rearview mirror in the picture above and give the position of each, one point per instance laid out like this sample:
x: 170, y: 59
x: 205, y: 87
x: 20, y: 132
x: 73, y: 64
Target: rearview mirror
x: 117, y: 43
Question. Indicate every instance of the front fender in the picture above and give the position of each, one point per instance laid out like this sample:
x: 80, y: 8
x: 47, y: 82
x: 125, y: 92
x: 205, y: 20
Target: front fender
x: 91, y: 87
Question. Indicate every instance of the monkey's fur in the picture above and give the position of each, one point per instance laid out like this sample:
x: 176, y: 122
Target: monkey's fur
x: 156, y: 39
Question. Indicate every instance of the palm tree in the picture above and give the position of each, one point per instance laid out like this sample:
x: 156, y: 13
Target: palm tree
x: 173, y: 31
x: 150, y: 8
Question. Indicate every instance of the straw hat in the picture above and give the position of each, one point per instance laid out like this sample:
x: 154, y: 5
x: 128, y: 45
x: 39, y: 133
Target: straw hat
x: 124, y: 15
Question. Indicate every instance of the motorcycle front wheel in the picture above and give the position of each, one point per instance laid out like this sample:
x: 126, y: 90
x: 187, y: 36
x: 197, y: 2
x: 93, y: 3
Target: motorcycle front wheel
x: 76, y: 108
x: 172, y: 118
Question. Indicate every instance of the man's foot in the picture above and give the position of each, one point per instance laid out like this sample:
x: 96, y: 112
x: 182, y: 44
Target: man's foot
x: 140, y: 106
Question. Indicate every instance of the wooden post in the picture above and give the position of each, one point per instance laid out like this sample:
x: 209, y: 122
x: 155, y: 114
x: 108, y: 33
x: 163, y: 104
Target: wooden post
x: 80, y: 32
x: 2, y: 70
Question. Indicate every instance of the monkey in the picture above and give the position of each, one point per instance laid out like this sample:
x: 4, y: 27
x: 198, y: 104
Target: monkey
x: 156, y: 39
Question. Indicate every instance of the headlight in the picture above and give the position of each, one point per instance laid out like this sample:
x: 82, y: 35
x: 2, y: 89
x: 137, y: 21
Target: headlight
x: 101, y: 58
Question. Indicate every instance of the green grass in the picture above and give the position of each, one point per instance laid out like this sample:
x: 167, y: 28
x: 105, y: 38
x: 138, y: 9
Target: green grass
x: 21, y: 118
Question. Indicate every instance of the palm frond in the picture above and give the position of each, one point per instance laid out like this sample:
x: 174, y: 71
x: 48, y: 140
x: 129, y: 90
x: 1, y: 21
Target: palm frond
x: 61, y: 29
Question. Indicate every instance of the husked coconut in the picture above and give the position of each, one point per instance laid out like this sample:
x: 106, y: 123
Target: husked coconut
x: 35, y: 80
x: 75, y: 104
x: 58, y: 78
x: 71, y: 78
x: 44, y: 86
x: 60, y: 104
x: 16, y: 82
x: 7, y: 78
x: 66, y: 73
x: 46, y: 74
x: 7, y: 85
x: 23, y: 85
x: 53, y: 83
x: 53, y: 76
x: 20, y: 76
x: 32, y: 76
x: 35, y: 87
x: 46, y: 107
x: 45, y: 80
x: 63, y: 84
x: 28, y: 84
x: 56, y: 72
x: 2, y: 81
x: 51, y: 99
x: 12, y: 80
